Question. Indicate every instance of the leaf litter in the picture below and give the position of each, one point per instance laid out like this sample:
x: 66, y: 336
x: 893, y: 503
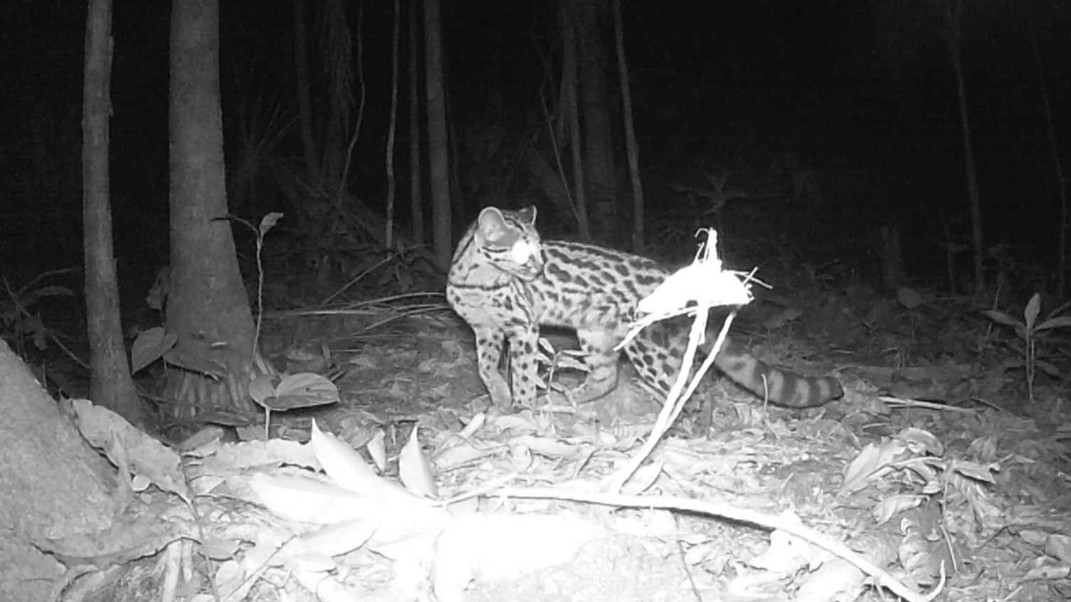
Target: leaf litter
x: 772, y: 505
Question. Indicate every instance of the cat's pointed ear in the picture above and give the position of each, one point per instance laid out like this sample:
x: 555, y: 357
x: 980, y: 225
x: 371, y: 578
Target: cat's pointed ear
x: 491, y: 223
x: 528, y: 214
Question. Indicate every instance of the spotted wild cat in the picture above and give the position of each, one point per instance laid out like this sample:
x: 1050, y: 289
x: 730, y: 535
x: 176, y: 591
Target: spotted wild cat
x: 506, y: 283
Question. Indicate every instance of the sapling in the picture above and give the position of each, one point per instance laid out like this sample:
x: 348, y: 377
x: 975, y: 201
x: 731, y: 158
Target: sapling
x: 1028, y: 330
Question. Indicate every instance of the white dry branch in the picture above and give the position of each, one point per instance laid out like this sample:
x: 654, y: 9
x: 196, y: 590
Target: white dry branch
x: 792, y: 526
x: 692, y: 290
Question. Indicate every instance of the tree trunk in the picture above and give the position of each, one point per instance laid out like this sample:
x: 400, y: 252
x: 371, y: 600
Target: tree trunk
x: 208, y: 308
x: 632, y: 148
x: 437, y: 141
x: 595, y: 113
x: 1061, y: 179
x: 416, y: 194
x: 338, y: 52
x: 571, y: 113
x: 301, y: 78
x: 953, y: 16
x: 344, y: 179
x: 50, y: 480
x: 973, y: 196
x: 110, y: 381
x: 393, y: 122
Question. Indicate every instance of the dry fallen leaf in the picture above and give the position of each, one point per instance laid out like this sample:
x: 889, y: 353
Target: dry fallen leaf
x: 414, y: 470
x: 889, y: 507
x: 145, y: 456
x: 460, y: 454
x: 871, y: 463
x: 377, y: 448
x: 341, y: 462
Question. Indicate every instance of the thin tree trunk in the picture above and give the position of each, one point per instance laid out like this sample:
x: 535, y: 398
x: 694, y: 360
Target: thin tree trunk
x: 571, y: 112
x: 301, y: 79
x: 110, y: 382
x: 973, y: 197
x: 416, y: 194
x: 632, y: 148
x: 207, y: 308
x: 595, y: 113
x: 339, y: 64
x: 1061, y: 179
x: 344, y: 177
x: 393, y: 125
x: 437, y: 142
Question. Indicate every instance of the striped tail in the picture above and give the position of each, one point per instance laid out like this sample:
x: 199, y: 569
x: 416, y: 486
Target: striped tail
x: 786, y: 389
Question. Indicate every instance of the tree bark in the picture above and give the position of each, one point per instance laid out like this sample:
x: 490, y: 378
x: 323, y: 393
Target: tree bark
x: 953, y: 25
x: 393, y: 122
x: 595, y: 111
x: 208, y: 308
x: 338, y: 46
x: 571, y: 112
x: 110, y: 383
x: 1061, y: 179
x: 631, y: 146
x: 50, y: 480
x: 301, y: 79
x: 416, y: 194
x: 437, y: 141
x: 971, y: 172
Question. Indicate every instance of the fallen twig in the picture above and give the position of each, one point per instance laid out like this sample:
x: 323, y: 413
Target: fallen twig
x: 881, y: 576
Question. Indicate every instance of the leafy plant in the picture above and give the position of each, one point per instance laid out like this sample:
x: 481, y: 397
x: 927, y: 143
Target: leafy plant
x: 1028, y: 331
x: 17, y: 321
x: 266, y: 224
x: 291, y: 392
x: 271, y: 391
x: 156, y: 343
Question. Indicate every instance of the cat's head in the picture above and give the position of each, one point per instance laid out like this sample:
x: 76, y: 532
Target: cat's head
x: 508, y: 240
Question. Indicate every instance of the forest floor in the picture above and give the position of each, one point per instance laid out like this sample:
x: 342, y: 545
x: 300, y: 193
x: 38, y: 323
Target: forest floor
x: 936, y: 466
x: 940, y: 469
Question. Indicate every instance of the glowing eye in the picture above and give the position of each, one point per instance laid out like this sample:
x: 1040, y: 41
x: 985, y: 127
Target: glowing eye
x: 520, y: 252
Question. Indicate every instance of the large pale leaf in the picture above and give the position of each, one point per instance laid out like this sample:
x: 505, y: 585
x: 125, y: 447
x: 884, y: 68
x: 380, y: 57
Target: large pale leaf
x: 1002, y: 318
x: 1057, y: 322
x: 310, y: 500
x: 414, y: 470
x: 1019, y: 327
x: 341, y: 538
x: 268, y: 222
x: 195, y: 362
x: 1030, y: 312
x: 872, y: 462
x: 150, y: 346
x: 975, y: 470
x: 884, y: 510
x: 303, y: 390
x: 1049, y: 368
x: 921, y: 441
x: 341, y: 463
x: 262, y: 389
x: 118, y: 439
x: 377, y: 448
x: 404, y: 519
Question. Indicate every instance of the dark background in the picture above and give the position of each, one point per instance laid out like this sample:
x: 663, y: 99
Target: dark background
x: 861, y: 92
